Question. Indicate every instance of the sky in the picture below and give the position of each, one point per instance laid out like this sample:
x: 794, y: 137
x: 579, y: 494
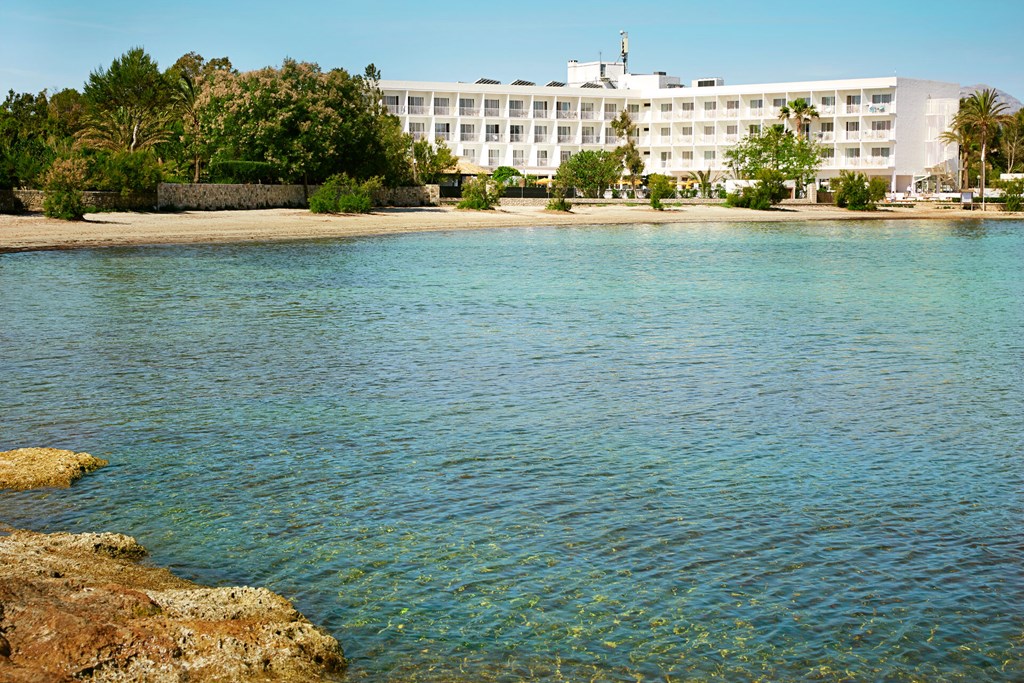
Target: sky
x: 54, y: 44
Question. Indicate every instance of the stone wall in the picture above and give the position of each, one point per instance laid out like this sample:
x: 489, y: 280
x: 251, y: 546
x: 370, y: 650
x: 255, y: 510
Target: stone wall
x: 15, y: 201
x: 210, y: 197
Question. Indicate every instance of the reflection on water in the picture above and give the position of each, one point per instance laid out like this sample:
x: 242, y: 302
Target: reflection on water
x: 661, y: 453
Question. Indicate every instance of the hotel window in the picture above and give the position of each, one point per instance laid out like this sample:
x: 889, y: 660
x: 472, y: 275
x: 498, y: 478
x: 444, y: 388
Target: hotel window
x: 881, y: 125
x: 540, y: 110
x: 540, y: 133
x: 732, y: 130
x: 686, y: 131
x: 609, y: 136
x: 469, y: 155
x: 756, y: 104
x: 828, y: 153
x: 853, y: 99
x: 441, y: 106
x: 417, y: 130
x: 467, y: 132
x: 516, y: 108
x: 494, y: 157
x: 709, y: 131
x: 492, y: 108
x: 391, y: 102
x: 588, y: 135
x: 518, y: 157
x: 686, y: 106
x: 633, y: 109
x: 516, y: 133
x: 710, y: 106
x: 542, y: 157
x: 564, y: 156
x: 563, y: 110
x: 666, y: 133
x: 828, y: 101
x: 665, y: 158
x: 709, y: 155
x: 852, y: 126
x: 884, y: 98
x: 416, y: 105
x: 586, y: 110
x: 686, y: 156
x: 493, y: 132
x: 666, y: 107
x: 754, y: 129
x: 853, y: 153
x: 779, y: 102
x: 467, y: 107
x: 880, y: 152
x: 442, y: 131
x: 733, y: 105
x: 564, y: 134
x: 828, y: 126
x: 610, y: 111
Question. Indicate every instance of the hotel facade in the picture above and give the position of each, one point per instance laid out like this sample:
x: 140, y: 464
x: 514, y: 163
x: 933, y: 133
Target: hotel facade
x: 886, y: 127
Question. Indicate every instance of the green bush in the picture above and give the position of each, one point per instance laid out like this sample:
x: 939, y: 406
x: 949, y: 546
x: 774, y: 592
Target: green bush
x: 126, y: 172
x: 660, y: 187
x: 63, y: 186
x: 558, y: 204
x: 1013, y: 194
x: 480, y: 194
x: 341, y: 194
x: 769, y: 190
x: 852, y: 191
x: 244, y: 172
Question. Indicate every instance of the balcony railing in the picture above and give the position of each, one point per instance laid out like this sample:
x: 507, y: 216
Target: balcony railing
x: 517, y: 113
x: 684, y: 140
x: 565, y: 113
x: 851, y: 136
x: 824, y: 136
x: 565, y: 138
x: 492, y: 137
x: 418, y: 135
x: 879, y: 162
x: 684, y: 115
x: 492, y: 111
x: 540, y: 138
x: 880, y: 108
x: 516, y: 137
x: 878, y: 134
x: 417, y: 109
x: 541, y: 114
x: 851, y: 162
x: 395, y: 108
x: 756, y: 113
x: 590, y: 140
x: 441, y: 110
x: 852, y: 109
x: 827, y: 109
x: 732, y: 113
x: 442, y: 135
x: 542, y: 161
x: 586, y: 113
x: 610, y: 115
x: 468, y: 111
x: 518, y: 162
x: 684, y: 163
x: 710, y: 113
x: 705, y: 139
x: 730, y: 138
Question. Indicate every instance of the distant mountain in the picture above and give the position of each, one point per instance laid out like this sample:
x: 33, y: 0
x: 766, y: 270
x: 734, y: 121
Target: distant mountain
x: 1013, y: 104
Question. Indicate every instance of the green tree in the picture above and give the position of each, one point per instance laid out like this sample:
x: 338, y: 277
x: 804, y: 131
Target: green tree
x: 480, y: 194
x: 63, y: 185
x: 506, y: 176
x: 128, y: 104
x: 769, y: 189
x: 188, y: 77
x: 961, y: 135
x: 776, y: 149
x: 25, y: 150
x: 1012, y: 144
x: 591, y: 171
x: 856, y: 192
x: 798, y: 112
x: 433, y: 161
x: 1013, y: 193
x: 629, y: 156
x: 983, y: 114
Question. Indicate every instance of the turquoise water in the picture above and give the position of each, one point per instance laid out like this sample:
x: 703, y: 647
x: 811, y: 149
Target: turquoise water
x: 751, y: 452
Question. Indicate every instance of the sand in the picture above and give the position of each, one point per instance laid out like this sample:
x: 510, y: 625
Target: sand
x: 34, y: 232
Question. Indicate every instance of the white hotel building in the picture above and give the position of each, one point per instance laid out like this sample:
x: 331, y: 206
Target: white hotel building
x: 886, y: 127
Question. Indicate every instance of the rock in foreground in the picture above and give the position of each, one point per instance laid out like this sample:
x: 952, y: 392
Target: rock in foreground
x: 79, y: 607
x: 29, y: 468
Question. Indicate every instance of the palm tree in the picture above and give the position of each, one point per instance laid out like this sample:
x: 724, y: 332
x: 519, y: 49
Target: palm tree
x: 984, y: 113
x: 962, y: 136
x: 799, y: 112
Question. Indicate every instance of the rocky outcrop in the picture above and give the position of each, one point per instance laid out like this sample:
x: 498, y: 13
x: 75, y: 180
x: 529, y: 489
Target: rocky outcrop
x: 80, y: 607
x: 30, y: 468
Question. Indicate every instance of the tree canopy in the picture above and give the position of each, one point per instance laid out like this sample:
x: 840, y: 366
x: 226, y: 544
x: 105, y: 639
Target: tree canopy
x: 591, y: 171
x: 775, y: 149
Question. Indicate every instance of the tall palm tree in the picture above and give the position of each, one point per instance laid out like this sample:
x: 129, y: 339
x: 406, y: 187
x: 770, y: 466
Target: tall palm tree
x: 962, y: 136
x: 798, y: 112
x: 983, y: 112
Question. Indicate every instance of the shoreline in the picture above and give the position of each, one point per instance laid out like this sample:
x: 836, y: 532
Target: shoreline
x: 34, y: 232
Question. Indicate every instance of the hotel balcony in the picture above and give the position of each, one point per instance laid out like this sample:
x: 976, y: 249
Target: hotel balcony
x: 684, y: 115
x: 517, y: 137
x: 417, y: 110
x: 584, y: 114
x: 879, y: 162
x: 826, y: 110
x: 441, y: 111
x: 418, y: 135
x: 395, y: 109
x: 518, y: 162
x: 852, y: 109
x: 881, y: 108
x: 540, y: 138
x: 565, y: 114
x: 756, y: 113
x: 684, y: 140
x: 517, y: 113
x: 684, y: 163
x: 492, y: 137
x: 851, y: 136
x: 611, y: 139
x: 825, y: 137
x: 878, y: 134
x: 542, y: 161
x: 491, y: 111
x: 705, y: 139
x: 732, y: 113
x: 730, y: 138
x: 442, y: 135
x: 541, y: 114
x: 611, y: 115
x: 469, y: 111
x: 591, y: 140
x: 563, y: 139
x: 467, y: 137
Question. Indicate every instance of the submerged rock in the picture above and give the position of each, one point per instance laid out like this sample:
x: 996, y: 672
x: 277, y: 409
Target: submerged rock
x: 29, y: 468
x: 80, y: 607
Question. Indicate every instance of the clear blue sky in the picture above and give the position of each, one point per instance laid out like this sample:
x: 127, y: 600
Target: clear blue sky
x: 56, y: 43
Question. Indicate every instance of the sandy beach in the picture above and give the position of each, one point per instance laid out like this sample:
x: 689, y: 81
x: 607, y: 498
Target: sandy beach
x: 35, y: 232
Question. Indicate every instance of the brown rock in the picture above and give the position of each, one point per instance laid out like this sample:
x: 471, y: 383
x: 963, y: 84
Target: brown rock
x: 79, y: 607
x: 29, y: 468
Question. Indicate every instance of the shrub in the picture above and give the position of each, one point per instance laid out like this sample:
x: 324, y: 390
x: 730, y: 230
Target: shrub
x: 126, y: 172
x: 770, y: 189
x: 660, y: 187
x: 1013, y: 194
x: 341, y: 194
x: 852, y: 191
x: 63, y: 185
x: 877, y: 187
x: 481, y: 193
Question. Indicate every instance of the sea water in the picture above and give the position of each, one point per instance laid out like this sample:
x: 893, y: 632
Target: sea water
x: 746, y: 452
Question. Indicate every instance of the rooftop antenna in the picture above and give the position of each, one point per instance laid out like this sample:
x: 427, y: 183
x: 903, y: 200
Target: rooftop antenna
x: 625, y: 51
